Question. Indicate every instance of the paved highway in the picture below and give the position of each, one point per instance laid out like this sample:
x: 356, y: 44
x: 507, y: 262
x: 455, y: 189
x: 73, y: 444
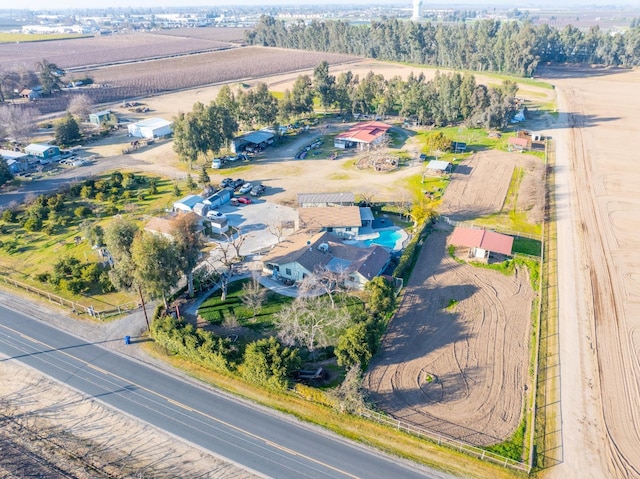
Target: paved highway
x: 247, y: 435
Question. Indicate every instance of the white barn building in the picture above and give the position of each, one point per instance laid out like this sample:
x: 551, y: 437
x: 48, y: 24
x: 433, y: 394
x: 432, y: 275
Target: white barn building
x: 151, y: 128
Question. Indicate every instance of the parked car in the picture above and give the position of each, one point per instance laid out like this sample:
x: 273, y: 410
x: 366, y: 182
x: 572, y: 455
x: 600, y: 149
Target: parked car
x: 246, y: 188
x: 258, y: 190
x: 226, y: 182
x: 244, y: 200
x: 215, y: 214
x: 237, y: 183
x: 216, y: 163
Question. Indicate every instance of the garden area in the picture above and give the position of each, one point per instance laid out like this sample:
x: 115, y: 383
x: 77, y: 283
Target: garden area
x: 54, y: 241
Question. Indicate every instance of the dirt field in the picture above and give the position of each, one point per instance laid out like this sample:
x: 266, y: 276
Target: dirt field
x: 598, y: 240
x: 454, y: 359
x: 51, y: 431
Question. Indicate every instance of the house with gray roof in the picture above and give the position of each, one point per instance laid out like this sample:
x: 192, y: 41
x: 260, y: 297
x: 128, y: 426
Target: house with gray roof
x: 303, y: 253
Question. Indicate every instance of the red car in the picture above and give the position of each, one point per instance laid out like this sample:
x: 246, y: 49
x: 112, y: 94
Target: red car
x: 244, y: 200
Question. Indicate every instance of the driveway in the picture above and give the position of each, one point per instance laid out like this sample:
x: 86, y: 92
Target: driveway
x: 255, y: 220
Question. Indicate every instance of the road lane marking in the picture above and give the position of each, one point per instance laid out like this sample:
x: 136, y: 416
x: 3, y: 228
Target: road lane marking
x: 183, y: 406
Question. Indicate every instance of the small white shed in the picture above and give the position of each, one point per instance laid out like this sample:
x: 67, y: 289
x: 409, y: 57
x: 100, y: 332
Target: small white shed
x: 151, y: 128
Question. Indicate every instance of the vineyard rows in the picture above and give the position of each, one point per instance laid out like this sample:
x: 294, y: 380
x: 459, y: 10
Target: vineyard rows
x: 101, y: 50
x: 162, y: 76
x: 232, y: 35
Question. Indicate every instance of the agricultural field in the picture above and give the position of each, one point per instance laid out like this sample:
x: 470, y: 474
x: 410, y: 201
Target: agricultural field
x: 81, y: 52
x: 231, y: 35
x: 151, y: 78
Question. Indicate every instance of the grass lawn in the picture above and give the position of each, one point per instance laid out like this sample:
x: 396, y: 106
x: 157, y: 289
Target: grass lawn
x: 217, y: 311
x: 528, y: 246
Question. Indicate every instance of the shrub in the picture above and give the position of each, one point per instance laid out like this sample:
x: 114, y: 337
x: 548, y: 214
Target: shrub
x: 268, y: 363
x: 82, y: 211
x: 33, y: 224
x: 9, y: 216
x: 199, y: 346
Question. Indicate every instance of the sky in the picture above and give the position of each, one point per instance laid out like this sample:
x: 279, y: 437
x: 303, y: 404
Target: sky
x: 83, y: 4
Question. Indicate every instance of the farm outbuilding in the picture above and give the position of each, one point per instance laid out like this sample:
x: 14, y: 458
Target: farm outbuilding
x: 219, y: 198
x: 362, y: 136
x: 251, y: 141
x: 16, y: 160
x: 187, y: 203
x: 439, y: 166
x: 343, y: 221
x: 102, y: 117
x: 482, y: 243
x: 519, y: 144
x: 42, y: 151
x: 342, y: 198
x: 151, y: 128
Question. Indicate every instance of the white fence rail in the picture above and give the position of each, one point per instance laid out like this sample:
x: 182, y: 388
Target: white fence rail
x: 447, y: 441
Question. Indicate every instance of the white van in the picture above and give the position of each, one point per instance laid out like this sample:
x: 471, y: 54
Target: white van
x: 216, y: 163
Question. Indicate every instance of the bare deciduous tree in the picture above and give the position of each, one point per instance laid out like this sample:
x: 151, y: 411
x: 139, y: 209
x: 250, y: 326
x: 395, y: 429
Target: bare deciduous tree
x: 224, y: 259
x: 80, y: 105
x: 324, y: 281
x: 17, y: 123
x: 350, y: 394
x: 277, y: 228
x: 309, y: 322
x: 253, y: 295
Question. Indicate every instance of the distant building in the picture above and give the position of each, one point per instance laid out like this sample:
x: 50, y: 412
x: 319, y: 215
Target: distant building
x: 252, y: 141
x: 362, y: 136
x: 151, y: 128
x: 187, y: 203
x: 16, y: 160
x: 102, y: 117
x: 43, y: 152
x: 439, y: 166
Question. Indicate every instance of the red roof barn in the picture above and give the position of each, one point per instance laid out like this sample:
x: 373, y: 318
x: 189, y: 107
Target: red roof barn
x: 482, y: 243
x: 362, y: 135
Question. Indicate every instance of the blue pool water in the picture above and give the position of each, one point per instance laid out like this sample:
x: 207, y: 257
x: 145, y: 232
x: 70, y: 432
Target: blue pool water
x: 387, y: 238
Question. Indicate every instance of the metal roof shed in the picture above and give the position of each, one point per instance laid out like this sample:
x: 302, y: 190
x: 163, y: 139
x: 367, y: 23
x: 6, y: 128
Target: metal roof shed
x: 151, y: 128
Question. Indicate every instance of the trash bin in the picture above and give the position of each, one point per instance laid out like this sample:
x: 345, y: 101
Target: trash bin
x: 127, y: 340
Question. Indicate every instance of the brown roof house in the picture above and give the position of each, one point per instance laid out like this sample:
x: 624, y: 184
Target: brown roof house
x: 481, y: 243
x: 303, y: 253
x: 343, y: 221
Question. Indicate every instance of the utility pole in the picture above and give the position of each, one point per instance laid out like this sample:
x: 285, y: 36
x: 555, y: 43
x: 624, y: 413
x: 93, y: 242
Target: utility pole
x: 144, y: 308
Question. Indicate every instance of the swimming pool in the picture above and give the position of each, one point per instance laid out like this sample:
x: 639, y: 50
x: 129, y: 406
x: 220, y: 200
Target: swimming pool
x: 386, y: 238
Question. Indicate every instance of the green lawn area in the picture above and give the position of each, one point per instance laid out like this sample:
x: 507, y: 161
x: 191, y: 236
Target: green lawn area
x: 528, y: 246
x: 217, y: 311
x: 7, y: 37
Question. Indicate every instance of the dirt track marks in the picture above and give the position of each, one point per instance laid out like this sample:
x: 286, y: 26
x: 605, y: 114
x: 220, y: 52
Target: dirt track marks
x: 469, y: 335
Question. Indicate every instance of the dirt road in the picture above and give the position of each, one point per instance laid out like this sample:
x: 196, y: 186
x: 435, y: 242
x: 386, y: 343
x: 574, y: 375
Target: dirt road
x: 598, y: 240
